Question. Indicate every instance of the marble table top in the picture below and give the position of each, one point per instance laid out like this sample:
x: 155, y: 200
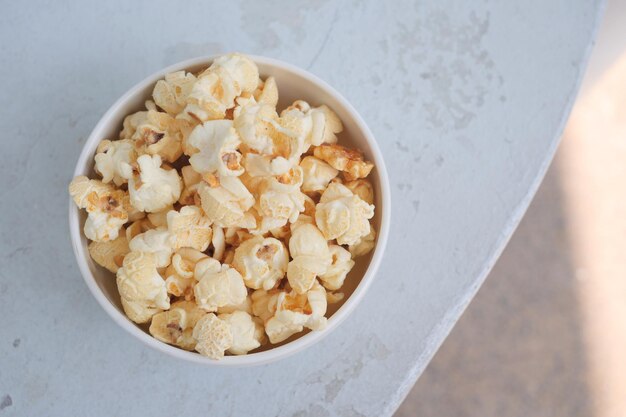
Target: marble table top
x: 467, y: 101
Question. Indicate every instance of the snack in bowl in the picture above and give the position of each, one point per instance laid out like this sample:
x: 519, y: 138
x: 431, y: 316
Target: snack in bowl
x: 229, y: 225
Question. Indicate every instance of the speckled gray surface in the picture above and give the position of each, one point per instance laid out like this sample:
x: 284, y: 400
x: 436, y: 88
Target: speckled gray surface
x: 467, y: 101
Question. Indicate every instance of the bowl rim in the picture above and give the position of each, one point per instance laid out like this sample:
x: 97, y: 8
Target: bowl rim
x: 280, y: 352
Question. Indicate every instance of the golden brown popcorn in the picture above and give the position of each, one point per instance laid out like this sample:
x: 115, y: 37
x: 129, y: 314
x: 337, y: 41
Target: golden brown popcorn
x: 110, y: 255
x: 342, y: 215
x: 261, y: 261
x: 191, y: 228
x: 171, y: 93
x: 350, y: 161
x: 213, y: 336
x: 153, y: 188
x: 142, y: 289
x: 176, y: 325
x: 104, y: 205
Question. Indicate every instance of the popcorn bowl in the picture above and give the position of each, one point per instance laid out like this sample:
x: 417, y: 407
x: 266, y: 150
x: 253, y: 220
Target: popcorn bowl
x: 293, y: 83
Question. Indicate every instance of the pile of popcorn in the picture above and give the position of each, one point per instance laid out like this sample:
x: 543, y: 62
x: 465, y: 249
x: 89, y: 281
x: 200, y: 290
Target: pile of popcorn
x: 227, y: 225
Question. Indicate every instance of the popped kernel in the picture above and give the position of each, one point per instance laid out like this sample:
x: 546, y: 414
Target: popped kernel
x: 261, y: 261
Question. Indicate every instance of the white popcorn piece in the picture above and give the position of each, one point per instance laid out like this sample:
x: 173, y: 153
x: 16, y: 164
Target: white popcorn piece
x: 280, y: 197
x: 179, y: 274
x: 241, y: 69
x: 159, y: 219
x: 218, y: 288
x: 248, y: 333
x: 153, y: 188
x: 142, y: 289
x: 316, y: 173
x: 364, y: 245
x: 333, y: 297
x: 160, y: 134
x: 217, y: 143
x: 171, y: 93
x: 336, y: 273
x: 159, y: 242
x: 219, y: 243
x: 226, y: 204
x: 175, y: 326
x: 311, y: 257
x: 342, y: 215
x: 114, y: 160
x: 138, y: 227
x: 350, y: 161
x: 266, y: 165
x: 105, y: 208
x: 245, y: 306
x: 213, y: 336
x: 110, y: 255
x: 315, y: 125
x: 191, y: 182
x: 362, y: 188
x: 266, y: 92
x: 209, y: 98
x: 295, y: 311
x: 253, y: 122
x: 190, y: 227
x: 263, y: 304
x: 261, y: 262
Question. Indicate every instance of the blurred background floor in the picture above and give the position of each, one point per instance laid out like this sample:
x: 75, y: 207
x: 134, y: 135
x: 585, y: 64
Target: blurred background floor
x: 546, y: 334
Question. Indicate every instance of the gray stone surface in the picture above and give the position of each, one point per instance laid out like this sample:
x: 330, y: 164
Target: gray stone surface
x: 466, y: 99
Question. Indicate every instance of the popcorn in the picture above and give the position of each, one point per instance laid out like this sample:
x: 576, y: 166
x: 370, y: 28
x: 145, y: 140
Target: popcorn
x: 104, y: 204
x: 109, y: 255
x: 234, y: 208
x: 363, y: 189
x: 342, y: 215
x: 216, y: 142
x: 190, y: 227
x: 311, y: 257
x: 266, y: 92
x: 142, y: 290
x: 295, y: 311
x: 191, y: 182
x: 364, y: 245
x: 317, y: 174
x: 280, y: 197
x: 179, y: 274
x: 350, y: 161
x: 261, y: 262
x: 159, y: 242
x: 248, y: 333
x: 336, y: 273
x: 158, y: 133
x: 218, y: 285
x: 226, y: 204
x: 253, y: 122
x: 176, y: 325
x: 241, y: 69
x: 114, y: 161
x: 153, y: 188
x: 213, y: 336
x: 171, y: 93
x: 315, y: 125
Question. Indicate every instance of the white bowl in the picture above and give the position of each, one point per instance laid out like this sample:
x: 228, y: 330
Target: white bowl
x: 293, y: 83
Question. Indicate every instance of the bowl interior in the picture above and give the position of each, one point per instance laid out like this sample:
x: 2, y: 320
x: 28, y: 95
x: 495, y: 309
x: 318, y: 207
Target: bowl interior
x: 292, y: 84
